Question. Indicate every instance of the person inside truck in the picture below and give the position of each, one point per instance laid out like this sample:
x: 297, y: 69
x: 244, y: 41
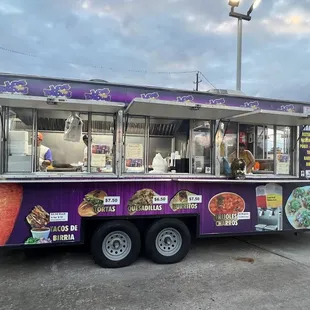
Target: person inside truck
x: 246, y: 155
x: 44, y: 154
x: 85, y: 140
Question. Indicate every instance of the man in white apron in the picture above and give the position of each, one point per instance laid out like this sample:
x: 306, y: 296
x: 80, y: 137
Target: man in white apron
x: 44, y: 155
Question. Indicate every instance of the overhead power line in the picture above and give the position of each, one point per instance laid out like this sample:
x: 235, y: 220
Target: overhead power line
x: 97, y: 66
x: 197, y: 81
x: 206, y: 79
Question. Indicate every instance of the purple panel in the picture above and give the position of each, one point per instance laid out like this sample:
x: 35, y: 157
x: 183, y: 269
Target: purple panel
x: 65, y: 203
x: 304, y: 153
x: 105, y: 92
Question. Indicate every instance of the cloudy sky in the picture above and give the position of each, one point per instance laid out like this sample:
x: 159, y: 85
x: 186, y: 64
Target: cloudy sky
x: 134, y: 41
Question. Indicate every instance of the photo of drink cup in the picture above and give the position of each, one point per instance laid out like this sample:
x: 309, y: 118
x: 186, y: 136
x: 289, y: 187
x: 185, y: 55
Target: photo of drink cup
x: 40, y: 233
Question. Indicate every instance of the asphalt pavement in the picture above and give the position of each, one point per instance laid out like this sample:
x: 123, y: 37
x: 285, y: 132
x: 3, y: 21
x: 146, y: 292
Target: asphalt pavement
x: 260, y: 272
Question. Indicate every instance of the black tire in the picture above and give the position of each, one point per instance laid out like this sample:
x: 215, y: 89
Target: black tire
x: 150, y: 241
x: 99, y: 235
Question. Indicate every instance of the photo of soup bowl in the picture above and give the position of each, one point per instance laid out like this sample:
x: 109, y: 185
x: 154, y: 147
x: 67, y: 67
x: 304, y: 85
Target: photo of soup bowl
x: 39, y: 233
x: 226, y: 203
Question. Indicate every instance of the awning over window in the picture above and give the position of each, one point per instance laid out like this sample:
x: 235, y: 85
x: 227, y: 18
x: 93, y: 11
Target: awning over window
x: 183, y: 110
x: 265, y: 117
x: 37, y: 102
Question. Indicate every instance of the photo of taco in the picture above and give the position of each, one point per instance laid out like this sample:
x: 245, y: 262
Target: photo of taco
x: 306, y: 201
x: 91, y: 203
x: 11, y: 196
x: 297, y: 208
x: 302, y: 219
x: 38, y: 217
x: 299, y: 192
x: 292, y: 206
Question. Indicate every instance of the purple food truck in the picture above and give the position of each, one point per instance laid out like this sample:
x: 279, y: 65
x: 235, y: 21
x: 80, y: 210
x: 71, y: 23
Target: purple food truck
x: 151, y: 167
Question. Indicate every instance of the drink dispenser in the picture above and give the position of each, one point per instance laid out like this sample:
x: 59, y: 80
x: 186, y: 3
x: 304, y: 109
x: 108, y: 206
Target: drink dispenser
x: 269, y: 200
x: 261, y: 200
x: 274, y: 194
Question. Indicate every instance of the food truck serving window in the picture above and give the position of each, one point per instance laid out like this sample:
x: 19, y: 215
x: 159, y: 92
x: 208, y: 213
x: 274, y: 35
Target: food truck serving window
x: 270, y: 136
x: 182, y: 144
x: 72, y: 156
x: 41, y: 141
x: 161, y: 146
x: 270, y: 147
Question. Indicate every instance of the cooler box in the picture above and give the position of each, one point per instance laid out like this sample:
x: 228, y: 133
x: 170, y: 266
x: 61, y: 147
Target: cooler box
x: 19, y: 148
x: 19, y: 163
x: 18, y: 143
x: 15, y: 136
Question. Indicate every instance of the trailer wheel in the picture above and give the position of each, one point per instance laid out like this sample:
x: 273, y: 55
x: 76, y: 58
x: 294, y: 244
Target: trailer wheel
x: 167, y: 241
x: 116, y: 244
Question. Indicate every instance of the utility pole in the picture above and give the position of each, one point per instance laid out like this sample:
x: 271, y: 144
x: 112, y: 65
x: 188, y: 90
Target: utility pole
x: 240, y: 17
x: 239, y: 54
x: 197, y: 81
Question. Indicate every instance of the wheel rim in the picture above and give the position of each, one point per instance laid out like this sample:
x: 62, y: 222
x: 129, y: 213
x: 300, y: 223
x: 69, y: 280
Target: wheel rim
x: 116, y: 245
x: 168, y: 242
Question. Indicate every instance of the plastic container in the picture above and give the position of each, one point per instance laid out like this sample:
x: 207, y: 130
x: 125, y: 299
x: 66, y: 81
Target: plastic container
x: 159, y: 164
x: 18, y: 135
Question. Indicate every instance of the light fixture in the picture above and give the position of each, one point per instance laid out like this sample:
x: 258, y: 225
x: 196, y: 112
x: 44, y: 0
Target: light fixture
x: 196, y: 107
x: 254, y: 6
x: 234, y: 3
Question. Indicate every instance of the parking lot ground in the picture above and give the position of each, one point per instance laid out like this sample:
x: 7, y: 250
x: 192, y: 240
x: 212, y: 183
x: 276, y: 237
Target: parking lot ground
x: 259, y: 272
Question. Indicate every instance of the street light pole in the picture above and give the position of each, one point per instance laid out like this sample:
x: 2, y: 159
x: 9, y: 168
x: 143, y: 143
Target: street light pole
x: 239, y: 54
x: 240, y: 17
